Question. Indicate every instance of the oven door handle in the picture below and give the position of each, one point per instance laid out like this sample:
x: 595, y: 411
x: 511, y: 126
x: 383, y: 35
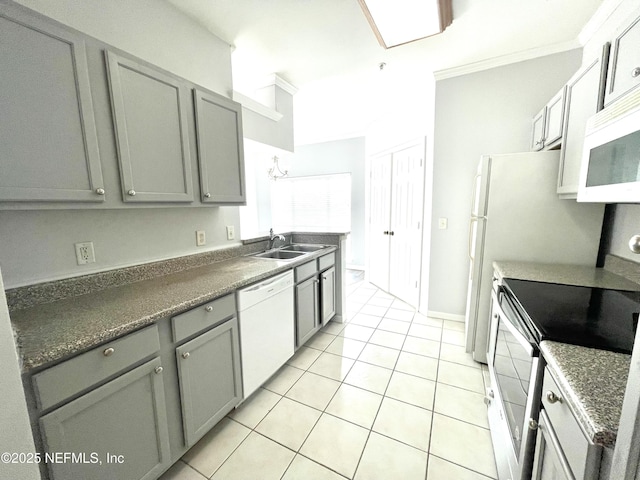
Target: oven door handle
x: 522, y: 340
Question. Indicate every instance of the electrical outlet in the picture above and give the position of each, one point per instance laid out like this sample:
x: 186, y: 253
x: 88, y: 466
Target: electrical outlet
x: 85, y: 253
x: 231, y: 234
x: 201, y: 238
x: 442, y: 223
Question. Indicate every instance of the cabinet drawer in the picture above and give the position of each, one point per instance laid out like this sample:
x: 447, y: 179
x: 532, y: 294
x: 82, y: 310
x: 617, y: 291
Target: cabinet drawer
x: 326, y: 261
x: 58, y: 383
x: 202, y: 317
x: 579, y: 452
x: 305, y: 271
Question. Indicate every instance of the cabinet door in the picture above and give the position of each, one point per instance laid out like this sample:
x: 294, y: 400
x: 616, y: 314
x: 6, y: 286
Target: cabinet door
x: 554, y: 118
x: 125, y: 417
x: 549, y: 462
x: 624, y: 68
x: 48, y: 142
x: 307, y: 314
x: 328, y: 294
x: 210, y: 382
x: 220, y: 149
x: 582, y: 101
x: 150, y: 120
x: 537, y: 141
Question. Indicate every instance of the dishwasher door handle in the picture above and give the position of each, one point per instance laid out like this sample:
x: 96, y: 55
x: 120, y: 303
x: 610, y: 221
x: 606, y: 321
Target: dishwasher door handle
x: 270, y: 283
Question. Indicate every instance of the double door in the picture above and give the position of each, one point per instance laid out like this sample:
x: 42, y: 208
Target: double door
x: 395, y: 224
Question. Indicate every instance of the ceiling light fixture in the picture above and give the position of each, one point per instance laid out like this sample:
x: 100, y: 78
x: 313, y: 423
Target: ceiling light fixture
x: 274, y: 172
x: 403, y: 21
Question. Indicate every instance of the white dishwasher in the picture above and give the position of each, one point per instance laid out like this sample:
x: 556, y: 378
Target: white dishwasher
x: 265, y: 315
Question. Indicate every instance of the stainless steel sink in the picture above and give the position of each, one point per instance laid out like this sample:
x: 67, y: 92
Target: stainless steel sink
x: 299, y: 247
x: 279, y: 254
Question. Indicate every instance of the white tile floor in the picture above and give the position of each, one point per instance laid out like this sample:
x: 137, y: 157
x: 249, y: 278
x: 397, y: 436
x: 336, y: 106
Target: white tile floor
x: 390, y: 395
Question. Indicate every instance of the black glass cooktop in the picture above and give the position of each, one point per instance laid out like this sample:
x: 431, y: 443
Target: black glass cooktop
x: 591, y: 317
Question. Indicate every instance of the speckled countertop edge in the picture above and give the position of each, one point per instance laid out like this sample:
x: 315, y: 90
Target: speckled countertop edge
x: 53, y: 331
x: 593, y: 382
x: 567, y: 274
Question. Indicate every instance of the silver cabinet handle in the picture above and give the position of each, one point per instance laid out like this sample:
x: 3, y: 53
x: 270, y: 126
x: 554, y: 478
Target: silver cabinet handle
x: 209, y: 308
x: 132, y: 193
x: 553, y: 398
x: 207, y: 195
x: 186, y: 355
x: 635, y: 72
x: 108, y: 352
x: 100, y: 191
x: 158, y: 370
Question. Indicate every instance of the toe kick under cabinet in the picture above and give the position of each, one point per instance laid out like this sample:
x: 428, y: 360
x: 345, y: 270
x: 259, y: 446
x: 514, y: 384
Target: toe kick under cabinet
x: 132, y: 407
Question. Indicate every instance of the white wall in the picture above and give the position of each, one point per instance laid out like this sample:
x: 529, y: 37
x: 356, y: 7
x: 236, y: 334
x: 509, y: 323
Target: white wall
x: 340, y: 156
x: 475, y: 114
x: 38, y: 245
x: 150, y: 29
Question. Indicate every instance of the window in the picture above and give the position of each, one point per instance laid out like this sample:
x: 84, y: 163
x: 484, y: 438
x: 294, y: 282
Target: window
x: 315, y: 203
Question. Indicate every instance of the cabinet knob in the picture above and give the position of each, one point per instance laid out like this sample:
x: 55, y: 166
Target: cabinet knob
x: 392, y: 232
x: 386, y: 232
x: 635, y: 72
x: 100, y: 191
x: 186, y: 355
x: 553, y: 398
x: 533, y: 425
x: 209, y: 308
x: 207, y: 195
x: 108, y: 352
x: 132, y: 193
x: 158, y: 370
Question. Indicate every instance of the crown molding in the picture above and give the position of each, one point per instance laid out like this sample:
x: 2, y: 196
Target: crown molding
x: 604, y: 11
x: 277, y: 80
x: 506, y: 60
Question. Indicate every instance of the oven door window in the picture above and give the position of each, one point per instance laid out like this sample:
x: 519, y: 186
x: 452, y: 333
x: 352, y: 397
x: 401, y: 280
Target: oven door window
x: 512, y: 365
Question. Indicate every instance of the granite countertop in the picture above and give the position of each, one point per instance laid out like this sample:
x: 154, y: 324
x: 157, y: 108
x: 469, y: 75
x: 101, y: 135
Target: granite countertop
x: 593, y: 382
x: 567, y: 274
x: 50, y: 332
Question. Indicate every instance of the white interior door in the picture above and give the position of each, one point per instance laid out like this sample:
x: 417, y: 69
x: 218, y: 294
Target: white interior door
x: 407, y: 183
x: 379, y: 223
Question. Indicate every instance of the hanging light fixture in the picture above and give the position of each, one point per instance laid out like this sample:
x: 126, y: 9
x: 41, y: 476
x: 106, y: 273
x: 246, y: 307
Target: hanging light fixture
x: 275, y: 172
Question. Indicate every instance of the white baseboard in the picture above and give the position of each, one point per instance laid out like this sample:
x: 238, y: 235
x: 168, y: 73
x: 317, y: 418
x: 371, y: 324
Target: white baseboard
x: 445, y: 316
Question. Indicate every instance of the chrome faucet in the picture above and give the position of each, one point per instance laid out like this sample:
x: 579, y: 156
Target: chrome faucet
x: 273, y: 237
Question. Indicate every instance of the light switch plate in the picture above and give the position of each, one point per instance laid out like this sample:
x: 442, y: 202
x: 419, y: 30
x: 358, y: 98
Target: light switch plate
x: 231, y: 234
x: 201, y: 238
x: 442, y: 223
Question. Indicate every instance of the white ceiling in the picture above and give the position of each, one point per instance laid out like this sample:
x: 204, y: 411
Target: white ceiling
x: 328, y: 51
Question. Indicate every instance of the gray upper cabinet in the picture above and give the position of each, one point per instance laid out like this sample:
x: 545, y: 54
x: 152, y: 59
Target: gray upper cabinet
x: 583, y: 99
x: 537, y: 139
x: 210, y: 381
x: 48, y: 142
x: 220, y: 149
x: 150, y: 115
x: 554, y: 117
x: 624, y: 68
x: 125, y: 417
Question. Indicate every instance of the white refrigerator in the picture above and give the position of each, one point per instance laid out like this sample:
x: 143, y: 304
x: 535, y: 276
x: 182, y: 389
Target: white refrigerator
x: 516, y: 215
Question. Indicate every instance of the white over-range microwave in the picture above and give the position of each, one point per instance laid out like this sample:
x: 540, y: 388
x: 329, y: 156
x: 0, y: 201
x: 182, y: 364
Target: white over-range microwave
x: 610, y: 170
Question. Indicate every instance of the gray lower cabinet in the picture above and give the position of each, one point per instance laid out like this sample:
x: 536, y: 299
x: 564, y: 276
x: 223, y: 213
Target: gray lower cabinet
x: 210, y: 381
x: 119, y: 430
x: 583, y: 99
x: 307, y: 310
x: 48, y: 141
x: 150, y: 111
x: 328, y: 294
x: 220, y: 149
x: 549, y: 463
